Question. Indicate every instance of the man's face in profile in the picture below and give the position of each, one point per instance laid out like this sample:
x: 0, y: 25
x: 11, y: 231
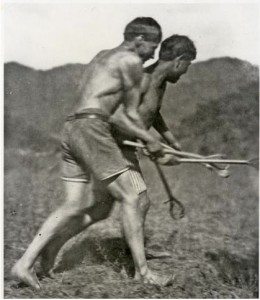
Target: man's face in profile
x: 177, y: 69
x: 147, y: 49
x: 148, y: 43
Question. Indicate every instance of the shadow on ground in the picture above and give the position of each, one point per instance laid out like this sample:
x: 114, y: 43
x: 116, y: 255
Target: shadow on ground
x: 111, y: 251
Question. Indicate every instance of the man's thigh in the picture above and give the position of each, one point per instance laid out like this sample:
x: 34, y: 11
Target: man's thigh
x: 102, y: 203
x: 121, y: 187
x: 79, y: 195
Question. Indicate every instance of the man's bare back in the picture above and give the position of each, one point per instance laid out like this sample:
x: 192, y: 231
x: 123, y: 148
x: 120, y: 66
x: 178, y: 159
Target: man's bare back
x: 151, y: 100
x: 107, y: 77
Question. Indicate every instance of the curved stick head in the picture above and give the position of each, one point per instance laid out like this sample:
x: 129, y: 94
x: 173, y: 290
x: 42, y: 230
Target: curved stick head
x: 224, y: 172
x: 176, y: 208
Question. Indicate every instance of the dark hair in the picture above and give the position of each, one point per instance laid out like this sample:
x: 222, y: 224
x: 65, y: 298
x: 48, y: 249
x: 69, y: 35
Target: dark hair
x: 143, y: 26
x: 177, y: 45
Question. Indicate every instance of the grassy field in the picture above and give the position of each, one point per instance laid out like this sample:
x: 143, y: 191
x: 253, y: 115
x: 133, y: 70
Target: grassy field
x: 213, y: 108
x: 214, y: 247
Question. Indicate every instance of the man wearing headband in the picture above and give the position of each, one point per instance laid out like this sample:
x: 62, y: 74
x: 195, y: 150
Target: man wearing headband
x: 92, y: 161
x: 175, y: 57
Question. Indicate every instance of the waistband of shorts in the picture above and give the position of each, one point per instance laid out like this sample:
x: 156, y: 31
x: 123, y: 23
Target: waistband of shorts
x: 89, y: 113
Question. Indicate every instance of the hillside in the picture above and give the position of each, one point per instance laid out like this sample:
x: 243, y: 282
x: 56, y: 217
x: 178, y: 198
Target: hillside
x: 214, y: 248
x: 210, y: 80
x: 36, y: 102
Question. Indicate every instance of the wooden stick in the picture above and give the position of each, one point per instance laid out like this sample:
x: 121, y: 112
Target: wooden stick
x: 196, y: 157
x: 221, y: 171
x: 168, y: 149
x: 215, y: 161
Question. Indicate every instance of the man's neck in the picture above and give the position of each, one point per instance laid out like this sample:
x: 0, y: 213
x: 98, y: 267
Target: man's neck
x: 158, y: 77
x: 150, y: 69
x: 128, y: 45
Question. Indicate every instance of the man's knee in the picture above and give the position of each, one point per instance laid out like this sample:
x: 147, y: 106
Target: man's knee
x: 122, y: 190
x: 132, y: 199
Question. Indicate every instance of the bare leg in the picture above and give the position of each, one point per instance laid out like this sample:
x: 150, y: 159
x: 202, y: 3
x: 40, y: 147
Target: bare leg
x: 144, y: 205
x: 123, y: 191
x: 24, y: 268
x: 50, y: 252
x: 132, y: 220
x: 103, y: 203
x: 99, y: 212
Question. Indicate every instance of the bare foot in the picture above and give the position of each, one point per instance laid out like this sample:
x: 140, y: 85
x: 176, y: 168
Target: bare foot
x: 156, y: 279
x: 25, y: 275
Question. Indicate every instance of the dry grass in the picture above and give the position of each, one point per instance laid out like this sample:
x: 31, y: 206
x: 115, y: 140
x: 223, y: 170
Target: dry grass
x: 214, y: 247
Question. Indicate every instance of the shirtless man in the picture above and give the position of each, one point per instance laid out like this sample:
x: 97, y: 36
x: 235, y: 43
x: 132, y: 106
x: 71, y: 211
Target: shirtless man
x: 175, y: 56
x: 90, y: 153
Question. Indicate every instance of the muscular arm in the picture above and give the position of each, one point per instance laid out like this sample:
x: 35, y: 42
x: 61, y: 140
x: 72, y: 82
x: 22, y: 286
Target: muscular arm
x: 127, y: 117
x: 164, y: 131
x: 124, y: 124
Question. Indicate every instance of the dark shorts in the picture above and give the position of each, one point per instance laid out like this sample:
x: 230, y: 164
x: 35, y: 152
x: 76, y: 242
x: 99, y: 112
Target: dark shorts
x: 88, y: 148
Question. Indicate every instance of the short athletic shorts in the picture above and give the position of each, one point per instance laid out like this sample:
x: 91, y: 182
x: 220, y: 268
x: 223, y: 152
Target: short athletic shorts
x: 88, y: 149
x: 135, y: 172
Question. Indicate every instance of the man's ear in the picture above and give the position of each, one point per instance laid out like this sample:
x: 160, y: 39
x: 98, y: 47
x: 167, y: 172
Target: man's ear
x: 140, y: 38
x: 178, y: 60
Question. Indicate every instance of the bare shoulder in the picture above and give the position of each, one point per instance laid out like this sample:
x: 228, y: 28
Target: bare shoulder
x: 125, y: 65
x: 128, y: 59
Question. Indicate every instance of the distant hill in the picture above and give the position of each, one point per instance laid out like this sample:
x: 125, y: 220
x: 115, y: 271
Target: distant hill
x: 37, y: 102
x: 208, y: 80
x: 218, y: 97
x: 215, y: 107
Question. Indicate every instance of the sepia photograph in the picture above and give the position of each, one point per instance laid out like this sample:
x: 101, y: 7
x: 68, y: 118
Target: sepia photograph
x: 158, y: 200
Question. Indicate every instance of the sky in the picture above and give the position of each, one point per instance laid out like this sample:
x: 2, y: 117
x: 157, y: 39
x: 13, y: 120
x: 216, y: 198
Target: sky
x: 44, y: 35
